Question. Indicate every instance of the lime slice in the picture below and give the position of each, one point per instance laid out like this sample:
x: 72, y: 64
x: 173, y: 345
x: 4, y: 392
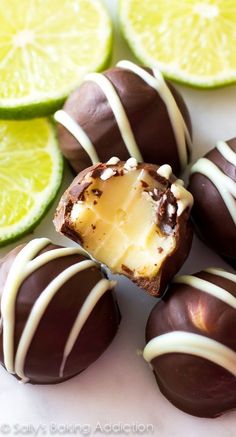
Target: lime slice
x: 190, y: 41
x: 30, y: 174
x: 46, y: 48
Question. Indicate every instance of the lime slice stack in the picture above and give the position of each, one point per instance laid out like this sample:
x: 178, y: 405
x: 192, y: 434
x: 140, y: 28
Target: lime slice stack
x: 46, y: 48
x: 191, y: 41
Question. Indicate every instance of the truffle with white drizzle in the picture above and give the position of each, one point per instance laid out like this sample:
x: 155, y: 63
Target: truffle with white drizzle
x: 58, y: 312
x: 132, y: 217
x: 127, y: 111
x: 191, y: 342
x: 213, y: 185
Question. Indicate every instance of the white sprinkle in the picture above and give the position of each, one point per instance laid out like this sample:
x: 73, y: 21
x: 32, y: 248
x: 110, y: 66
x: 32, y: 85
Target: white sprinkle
x: 165, y: 171
x: 107, y: 174
x: 131, y: 164
x: 171, y: 210
x: 113, y: 161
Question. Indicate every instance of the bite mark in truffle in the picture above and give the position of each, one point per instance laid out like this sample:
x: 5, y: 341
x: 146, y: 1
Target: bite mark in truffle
x: 139, y: 222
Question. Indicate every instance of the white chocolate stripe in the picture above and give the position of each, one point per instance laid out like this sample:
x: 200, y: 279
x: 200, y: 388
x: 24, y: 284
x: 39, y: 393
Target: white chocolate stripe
x: 21, y: 268
x: 225, y: 185
x: 78, y: 133
x: 89, y: 304
x: 177, y: 121
x: 191, y: 344
x: 226, y: 151
x: 119, y: 113
x: 38, y: 310
x: 207, y: 287
x: 222, y: 273
x: 14, y: 280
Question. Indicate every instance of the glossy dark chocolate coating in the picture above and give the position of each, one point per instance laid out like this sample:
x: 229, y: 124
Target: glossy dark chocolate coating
x: 183, y: 229
x: 193, y: 384
x: 44, y: 358
x: 147, y: 115
x: 210, y: 214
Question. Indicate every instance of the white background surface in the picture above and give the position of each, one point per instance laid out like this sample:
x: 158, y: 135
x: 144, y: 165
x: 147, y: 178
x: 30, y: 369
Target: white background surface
x: 119, y: 387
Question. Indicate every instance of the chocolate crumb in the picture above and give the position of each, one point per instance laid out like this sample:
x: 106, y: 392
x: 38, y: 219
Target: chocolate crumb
x: 144, y: 184
x: 160, y: 249
x: 97, y: 192
x: 127, y: 270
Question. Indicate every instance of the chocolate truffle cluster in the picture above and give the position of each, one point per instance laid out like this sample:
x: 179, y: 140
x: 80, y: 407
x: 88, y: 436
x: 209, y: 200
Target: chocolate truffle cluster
x: 58, y: 312
x: 123, y: 131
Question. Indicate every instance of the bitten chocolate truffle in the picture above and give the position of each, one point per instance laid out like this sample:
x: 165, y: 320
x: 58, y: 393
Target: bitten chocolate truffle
x: 127, y: 111
x: 213, y: 185
x: 58, y: 312
x: 132, y: 217
x: 191, y: 343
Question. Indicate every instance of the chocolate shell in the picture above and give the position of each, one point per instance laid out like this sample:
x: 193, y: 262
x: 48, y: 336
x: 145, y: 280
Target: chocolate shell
x: 132, y: 217
x: 213, y: 185
x: 127, y: 111
x: 58, y: 312
x: 191, y: 343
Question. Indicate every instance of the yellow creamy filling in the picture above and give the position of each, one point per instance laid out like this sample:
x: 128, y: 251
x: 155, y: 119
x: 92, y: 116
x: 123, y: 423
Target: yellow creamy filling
x: 117, y: 223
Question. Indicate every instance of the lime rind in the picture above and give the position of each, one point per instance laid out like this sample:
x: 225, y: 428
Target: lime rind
x: 43, y: 200
x: 41, y: 104
x: 172, y: 73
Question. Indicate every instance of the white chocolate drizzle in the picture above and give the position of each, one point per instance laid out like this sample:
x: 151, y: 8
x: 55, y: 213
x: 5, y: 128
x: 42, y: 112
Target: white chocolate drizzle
x: 226, y: 151
x: 183, y: 197
x: 113, y: 160
x: 95, y: 294
x: 157, y: 82
x: 223, y: 183
x: 78, y: 133
x: 25, y: 264
x: 207, y: 287
x: 119, y: 113
x: 222, y: 273
x: 191, y: 344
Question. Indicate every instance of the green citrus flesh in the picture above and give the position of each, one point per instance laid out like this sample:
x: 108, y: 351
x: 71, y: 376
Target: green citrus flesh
x: 190, y: 41
x: 46, y: 49
x: 31, y: 168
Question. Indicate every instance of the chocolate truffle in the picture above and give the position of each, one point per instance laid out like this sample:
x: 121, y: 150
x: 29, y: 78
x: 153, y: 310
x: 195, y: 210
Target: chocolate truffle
x: 127, y: 111
x: 191, y: 343
x: 58, y: 312
x: 213, y: 185
x: 132, y: 217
